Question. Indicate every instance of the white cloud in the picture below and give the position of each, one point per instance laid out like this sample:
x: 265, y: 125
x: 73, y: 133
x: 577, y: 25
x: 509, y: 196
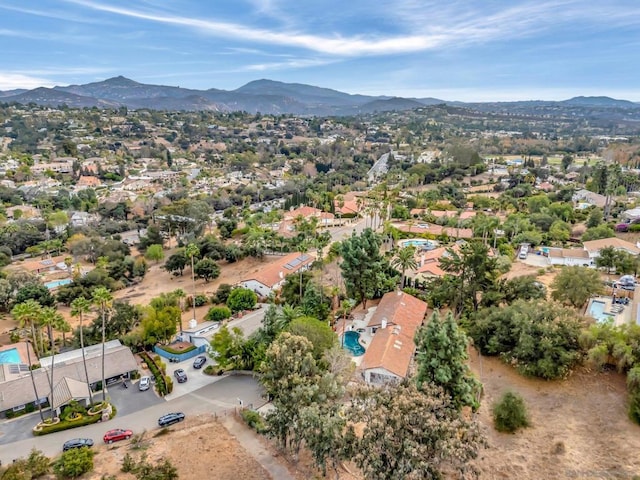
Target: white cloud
x: 10, y: 81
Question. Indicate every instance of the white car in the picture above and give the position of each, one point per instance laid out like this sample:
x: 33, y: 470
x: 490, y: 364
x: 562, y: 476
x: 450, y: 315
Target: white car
x: 145, y: 383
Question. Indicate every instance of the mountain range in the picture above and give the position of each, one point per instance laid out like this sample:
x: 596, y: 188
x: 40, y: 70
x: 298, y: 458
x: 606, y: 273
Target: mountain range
x: 265, y: 96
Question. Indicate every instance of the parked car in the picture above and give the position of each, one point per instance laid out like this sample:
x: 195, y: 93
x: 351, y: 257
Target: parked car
x: 199, y: 361
x: 180, y: 375
x: 622, y: 227
x: 117, y: 434
x: 77, y: 443
x: 170, y: 419
x: 145, y: 383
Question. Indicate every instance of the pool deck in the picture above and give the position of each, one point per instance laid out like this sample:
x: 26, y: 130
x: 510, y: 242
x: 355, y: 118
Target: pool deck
x: 621, y: 318
x: 21, y: 347
x: 359, y: 323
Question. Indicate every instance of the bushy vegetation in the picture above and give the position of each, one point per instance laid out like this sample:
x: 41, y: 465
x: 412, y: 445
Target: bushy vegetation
x: 74, y: 463
x: 538, y: 337
x: 217, y: 314
x: 510, y: 413
x: 143, y: 469
x: 67, y: 421
x: 157, y: 372
x: 34, y: 466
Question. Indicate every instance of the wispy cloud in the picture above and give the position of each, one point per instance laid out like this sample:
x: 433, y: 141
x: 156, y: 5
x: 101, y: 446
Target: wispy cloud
x: 289, y: 64
x: 431, y: 28
x: 10, y: 81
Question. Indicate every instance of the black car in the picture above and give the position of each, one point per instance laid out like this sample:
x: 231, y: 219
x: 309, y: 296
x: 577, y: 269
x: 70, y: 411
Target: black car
x: 199, y: 361
x: 170, y: 419
x: 77, y: 443
x: 180, y: 375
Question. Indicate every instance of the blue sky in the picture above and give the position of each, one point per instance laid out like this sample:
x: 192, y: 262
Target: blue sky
x: 469, y: 50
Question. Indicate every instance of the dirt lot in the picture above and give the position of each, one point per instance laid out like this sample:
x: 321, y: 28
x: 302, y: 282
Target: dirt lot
x: 580, y: 429
x: 200, y: 448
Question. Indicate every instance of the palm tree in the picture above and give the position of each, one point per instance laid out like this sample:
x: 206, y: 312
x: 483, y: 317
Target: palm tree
x: 79, y: 307
x: 28, y: 314
x: 303, y: 247
x: 192, y: 251
x: 50, y: 318
x: 405, y: 260
x: 102, y: 298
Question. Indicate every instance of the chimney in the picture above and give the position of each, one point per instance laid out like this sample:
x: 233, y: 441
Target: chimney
x: 281, y: 275
x: 383, y: 324
x: 422, y: 260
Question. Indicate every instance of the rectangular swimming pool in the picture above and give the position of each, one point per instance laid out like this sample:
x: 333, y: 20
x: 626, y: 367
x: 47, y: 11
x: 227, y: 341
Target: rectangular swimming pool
x: 10, y: 356
x: 596, y: 310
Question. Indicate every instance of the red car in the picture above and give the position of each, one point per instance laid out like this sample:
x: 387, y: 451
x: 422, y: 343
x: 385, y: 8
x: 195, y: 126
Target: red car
x: 117, y: 434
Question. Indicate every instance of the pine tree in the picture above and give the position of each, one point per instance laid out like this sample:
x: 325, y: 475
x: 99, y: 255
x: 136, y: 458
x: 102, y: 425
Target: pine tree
x: 442, y: 360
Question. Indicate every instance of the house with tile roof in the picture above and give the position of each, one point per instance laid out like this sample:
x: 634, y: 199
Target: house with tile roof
x: 269, y: 278
x: 393, y: 326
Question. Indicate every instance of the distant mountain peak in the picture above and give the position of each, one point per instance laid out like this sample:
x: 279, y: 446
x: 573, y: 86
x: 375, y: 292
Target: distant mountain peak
x: 120, y: 81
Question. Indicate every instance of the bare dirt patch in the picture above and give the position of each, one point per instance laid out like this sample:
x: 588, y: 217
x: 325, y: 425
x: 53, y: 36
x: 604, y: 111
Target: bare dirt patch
x: 580, y: 428
x: 200, y: 448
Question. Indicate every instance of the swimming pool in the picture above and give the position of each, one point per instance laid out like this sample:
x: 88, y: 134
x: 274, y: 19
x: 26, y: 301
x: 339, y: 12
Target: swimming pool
x: 10, y: 356
x: 351, y: 342
x: 596, y: 310
x: 419, y: 243
x: 57, y: 283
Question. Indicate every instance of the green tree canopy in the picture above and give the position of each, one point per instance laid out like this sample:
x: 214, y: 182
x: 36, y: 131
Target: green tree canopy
x: 319, y: 333
x: 575, y: 285
x: 364, y: 270
x: 241, y: 299
x: 442, y: 360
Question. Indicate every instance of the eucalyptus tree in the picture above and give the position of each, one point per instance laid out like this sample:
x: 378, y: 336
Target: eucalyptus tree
x: 79, y: 307
x: 103, y: 299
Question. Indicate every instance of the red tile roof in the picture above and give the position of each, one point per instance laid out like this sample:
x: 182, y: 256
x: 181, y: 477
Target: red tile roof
x: 392, y: 347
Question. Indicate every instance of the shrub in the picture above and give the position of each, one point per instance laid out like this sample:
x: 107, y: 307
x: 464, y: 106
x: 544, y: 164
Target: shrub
x: 34, y: 466
x: 67, y: 424
x: 510, y: 413
x: 241, y: 299
x: 168, y: 381
x: 173, y: 351
x: 128, y: 463
x: 634, y: 405
x: 74, y: 463
x: 222, y: 294
x: 254, y: 420
x: 200, y: 300
x: 217, y: 314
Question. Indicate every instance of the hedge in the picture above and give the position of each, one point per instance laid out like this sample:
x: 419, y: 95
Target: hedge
x: 157, y: 373
x: 67, y: 424
x: 168, y: 349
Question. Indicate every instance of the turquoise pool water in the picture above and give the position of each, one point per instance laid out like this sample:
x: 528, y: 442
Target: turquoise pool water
x: 351, y: 343
x: 10, y: 356
x: 596, y: 310
x: 58, y: 283
x: 423, y: 244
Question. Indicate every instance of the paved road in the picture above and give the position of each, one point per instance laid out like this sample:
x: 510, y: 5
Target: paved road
x: 221, y: 395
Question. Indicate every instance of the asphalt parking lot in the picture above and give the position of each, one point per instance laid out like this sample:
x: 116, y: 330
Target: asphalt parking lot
x: 130, y: 400
x: 196, y: 378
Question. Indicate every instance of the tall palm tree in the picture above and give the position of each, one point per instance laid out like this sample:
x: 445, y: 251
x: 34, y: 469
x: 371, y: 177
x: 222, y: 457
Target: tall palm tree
x: 28, y: 314
x: 405, y: 259
x: 192, y: 251
x: 79, y: 307
x: 102, y: 298
x: 51, y: 318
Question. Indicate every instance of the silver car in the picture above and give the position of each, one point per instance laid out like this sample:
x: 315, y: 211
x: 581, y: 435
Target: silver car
x: 145, y: 383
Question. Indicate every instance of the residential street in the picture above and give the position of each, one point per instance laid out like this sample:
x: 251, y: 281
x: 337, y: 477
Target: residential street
x: 225, y: 393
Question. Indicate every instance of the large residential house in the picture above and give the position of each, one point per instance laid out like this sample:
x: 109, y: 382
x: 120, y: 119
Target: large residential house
x: 586, y: 198
x: 587, y: 255
x: 17, y: 389
x: 271, y: 277
x: 325, y: 219
x: 393, y: 325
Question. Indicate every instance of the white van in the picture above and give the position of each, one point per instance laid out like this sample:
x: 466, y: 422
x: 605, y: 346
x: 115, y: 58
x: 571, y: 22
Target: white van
x: 524, y: 251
